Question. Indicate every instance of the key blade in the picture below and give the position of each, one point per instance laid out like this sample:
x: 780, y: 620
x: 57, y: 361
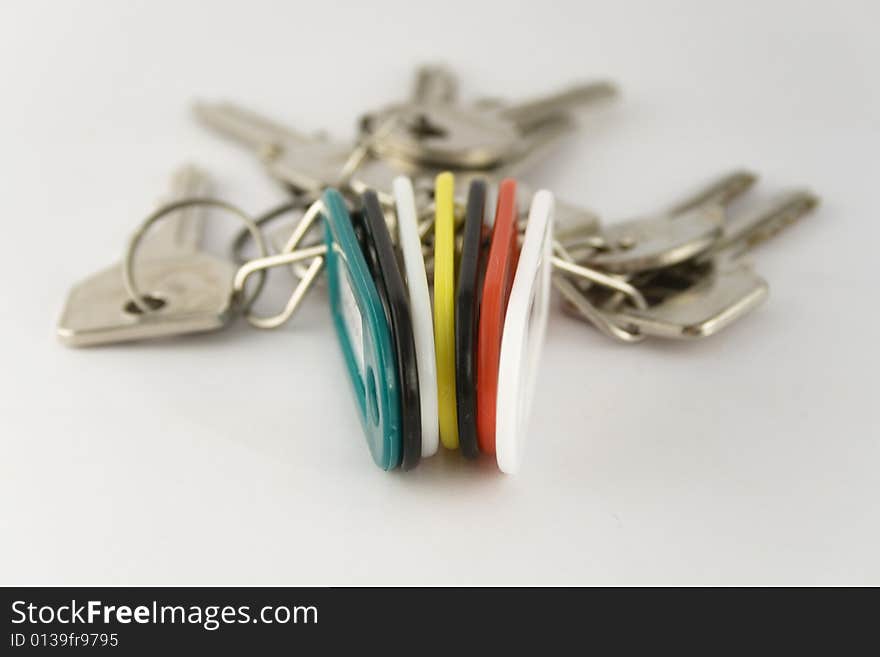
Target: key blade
x: 743, y: 233
x: 531, y: 114
x: 262, y: 135
x: 659, y: 241
x: 719, y: 192
x: 435, y: 85
x: 180, y: 231
x: 301, y: 162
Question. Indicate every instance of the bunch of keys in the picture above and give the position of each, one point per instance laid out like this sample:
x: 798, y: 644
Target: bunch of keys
x: 440, y: 303
x: 679, y: 274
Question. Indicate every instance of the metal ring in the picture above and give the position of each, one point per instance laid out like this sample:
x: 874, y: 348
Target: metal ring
x: 289, y: 255
x: 592, y: 314
x: 565, y: 263
x: 316, y: 253
x: 135, y: 240
x: 304, y: 225
x: 241, y: 239
x: 605, y: 280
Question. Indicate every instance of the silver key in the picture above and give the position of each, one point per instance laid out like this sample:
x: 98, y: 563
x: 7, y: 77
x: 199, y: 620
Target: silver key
x: 447, y: 135
x: 188, y: 291
x: 747, y: 231
x: 302, y: 162
x: 690, y: 227
x: 309, y: 164
x: 724, y: 293
x: 716, y: 288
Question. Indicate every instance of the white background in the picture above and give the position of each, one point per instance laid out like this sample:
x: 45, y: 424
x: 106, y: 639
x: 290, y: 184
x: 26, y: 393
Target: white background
x: 752, y: 457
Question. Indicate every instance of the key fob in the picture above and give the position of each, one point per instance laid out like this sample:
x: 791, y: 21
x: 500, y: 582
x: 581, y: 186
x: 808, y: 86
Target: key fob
x: 467, y: 313
x: 382, y: 262
x: 444, y: 307
x: 524, y: 327
x: 364, y: 334
x: 500, y: 270
x: 410, y: 244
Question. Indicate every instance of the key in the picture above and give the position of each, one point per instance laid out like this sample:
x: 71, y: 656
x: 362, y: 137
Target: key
x: 700, y: 298
x: 304, y: 163
x: 310, y: 164
x: 447, y: 135
x: 719, y: 296
x: 603, y: 263
x: 688, y: 228
x: 487, y: 140
x: 743, y: 233
x: 187, y: 290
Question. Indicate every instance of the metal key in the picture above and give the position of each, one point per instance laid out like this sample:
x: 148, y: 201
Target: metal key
x: 309, y: 164
x: 700, y: 297
x: 688, y: 228
x: 435, y: 132
x: 188, y: 291
x: 304, y: 163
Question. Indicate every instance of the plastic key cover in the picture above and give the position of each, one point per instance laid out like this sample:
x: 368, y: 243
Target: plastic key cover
x: 382, y: 262
x: 500, y: 270
x: 523, y: 339
x: 364, y: 334
x: 467, y: 312
x: 444, y: 307
x: 410, y: 245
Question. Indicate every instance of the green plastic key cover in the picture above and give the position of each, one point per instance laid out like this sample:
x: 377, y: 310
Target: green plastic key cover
x: 364, y: 334
x: 372, y: 232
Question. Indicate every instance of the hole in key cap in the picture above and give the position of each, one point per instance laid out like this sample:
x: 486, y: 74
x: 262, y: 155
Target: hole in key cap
x: 153, y: 303
x: 421, y: 127
x: 372, y: 397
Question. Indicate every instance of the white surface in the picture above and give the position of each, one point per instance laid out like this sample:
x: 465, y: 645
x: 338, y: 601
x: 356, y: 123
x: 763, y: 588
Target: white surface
x: 522, y: 341
x: 753, y: 457
x: 420, y: 309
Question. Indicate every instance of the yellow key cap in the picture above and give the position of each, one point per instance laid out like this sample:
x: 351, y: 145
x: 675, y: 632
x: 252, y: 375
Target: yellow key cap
x: 444, y: 307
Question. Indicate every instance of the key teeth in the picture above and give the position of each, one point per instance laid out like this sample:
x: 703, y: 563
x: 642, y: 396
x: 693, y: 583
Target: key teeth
x: 741, y: 180
x: 605, y: 89
x: 809, y: 199
x: 190, y: 180
x: 720, y: 191
x: 785, y: 211
x: 204, y: 110
x: 435, y: 83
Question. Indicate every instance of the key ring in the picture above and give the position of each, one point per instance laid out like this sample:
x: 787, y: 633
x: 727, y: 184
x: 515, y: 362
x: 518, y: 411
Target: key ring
x: 128, y: 262
x: 306, y: 198
x: 241, y: 239
x: 290, y: 254
x: 564, y: 262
